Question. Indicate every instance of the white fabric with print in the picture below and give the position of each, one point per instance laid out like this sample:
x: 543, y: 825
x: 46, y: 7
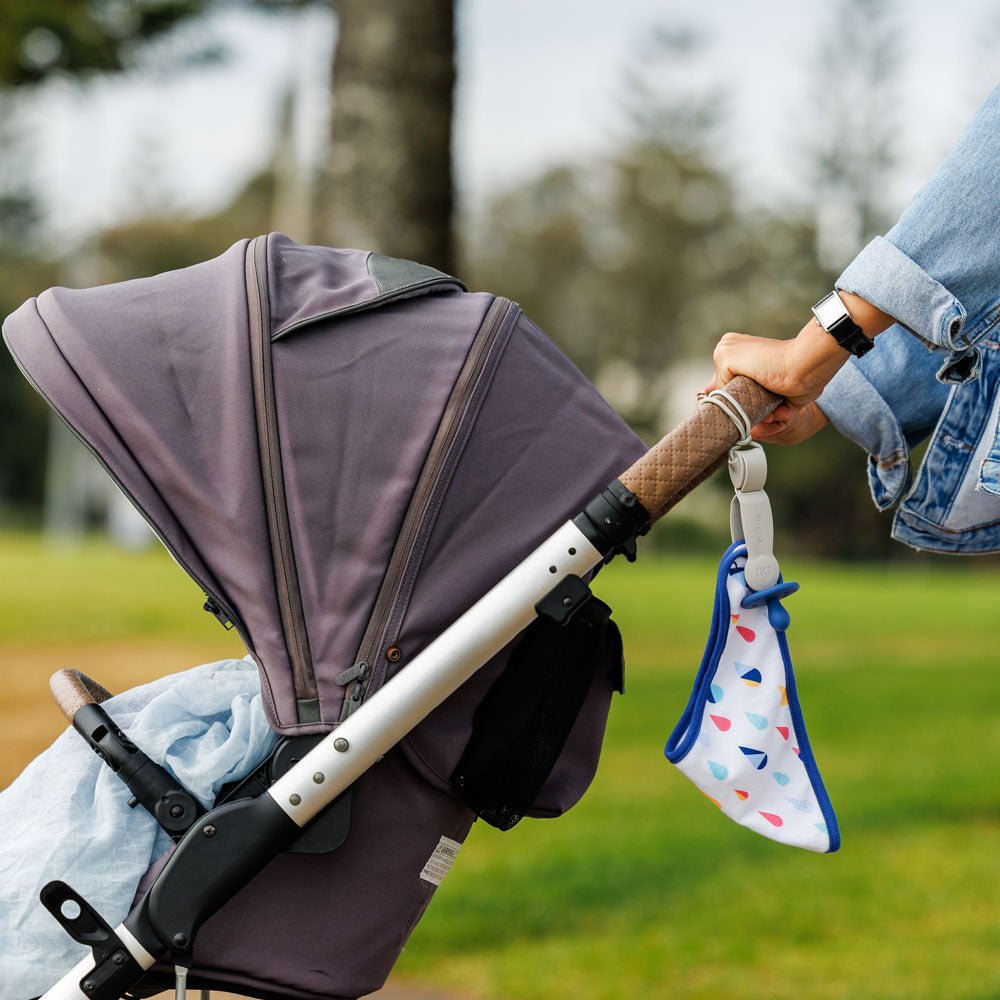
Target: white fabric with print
x: 742, y: 739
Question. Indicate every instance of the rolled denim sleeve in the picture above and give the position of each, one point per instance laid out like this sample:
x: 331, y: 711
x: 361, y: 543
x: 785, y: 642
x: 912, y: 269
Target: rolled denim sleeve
x: 887, y: 402
x: 937, y: 271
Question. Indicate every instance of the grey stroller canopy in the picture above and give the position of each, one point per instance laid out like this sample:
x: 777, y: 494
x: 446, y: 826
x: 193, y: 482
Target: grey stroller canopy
x: 345, y: 451
x: 308, y: 429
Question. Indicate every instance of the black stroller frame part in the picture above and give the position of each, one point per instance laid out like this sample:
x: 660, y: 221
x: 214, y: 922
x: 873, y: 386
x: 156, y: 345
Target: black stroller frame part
x: 224, y: 848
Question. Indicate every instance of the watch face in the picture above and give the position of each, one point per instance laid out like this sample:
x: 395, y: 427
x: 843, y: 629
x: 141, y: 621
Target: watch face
x: 830, y: 310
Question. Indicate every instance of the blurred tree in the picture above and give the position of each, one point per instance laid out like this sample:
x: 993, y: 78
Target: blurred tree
x: 821, y: 486
x: 23, y: 414
x: 388, y: 178
x: 855, y: 149
x: 41, y: 37
x: 636, y: 263
x: 388, y: 182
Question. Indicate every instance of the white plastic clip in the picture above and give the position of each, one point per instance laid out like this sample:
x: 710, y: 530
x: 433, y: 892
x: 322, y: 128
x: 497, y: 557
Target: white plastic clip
x: 750, y: 514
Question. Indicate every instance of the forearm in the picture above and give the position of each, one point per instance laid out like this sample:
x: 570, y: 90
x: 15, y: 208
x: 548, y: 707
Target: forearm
x: 817, y: 356
x: 797, y: 369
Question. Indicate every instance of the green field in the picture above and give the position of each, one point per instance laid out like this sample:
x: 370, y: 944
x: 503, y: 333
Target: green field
x: 645, y: 890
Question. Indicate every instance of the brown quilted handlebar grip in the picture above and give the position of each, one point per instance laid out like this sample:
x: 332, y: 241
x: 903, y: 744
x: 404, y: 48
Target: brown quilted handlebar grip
x: 693, y: 450
x: 72, y: 690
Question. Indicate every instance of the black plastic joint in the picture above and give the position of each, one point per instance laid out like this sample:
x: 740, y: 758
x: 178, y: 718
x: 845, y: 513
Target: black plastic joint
x: 613, y: 520
x: 217, y: 857
x: 564, y: 600
x: 173, y: 807
x: 115, y: 971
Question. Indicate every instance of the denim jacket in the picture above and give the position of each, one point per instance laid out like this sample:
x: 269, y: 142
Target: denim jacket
x: 937, y: 371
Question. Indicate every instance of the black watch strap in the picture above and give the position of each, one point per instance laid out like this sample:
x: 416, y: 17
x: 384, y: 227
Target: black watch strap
x: 832, y: 315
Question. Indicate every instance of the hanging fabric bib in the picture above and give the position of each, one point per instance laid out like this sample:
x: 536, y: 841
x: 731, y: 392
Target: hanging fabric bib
x: 742, y: 739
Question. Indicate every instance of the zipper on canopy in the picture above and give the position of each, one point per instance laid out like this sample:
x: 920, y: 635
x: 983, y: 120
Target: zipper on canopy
x: 282, y: 551
x: 460, y: 412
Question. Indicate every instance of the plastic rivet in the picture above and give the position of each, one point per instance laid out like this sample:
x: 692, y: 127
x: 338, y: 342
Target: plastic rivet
x: 180, y: 940
x: 552, y: 569
x: 340, y: 744
x: 572, y: 552
x: 177, y: 811
x: 295, y: 799
x: 567, y: 602
x: 319, y: 777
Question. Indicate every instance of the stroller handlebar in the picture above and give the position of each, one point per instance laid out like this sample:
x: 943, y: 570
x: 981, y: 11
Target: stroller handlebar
x: 72, y: 690
x: 694, y: 449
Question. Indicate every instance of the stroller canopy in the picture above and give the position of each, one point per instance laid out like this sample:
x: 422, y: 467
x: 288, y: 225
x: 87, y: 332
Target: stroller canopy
x: 342, y: 449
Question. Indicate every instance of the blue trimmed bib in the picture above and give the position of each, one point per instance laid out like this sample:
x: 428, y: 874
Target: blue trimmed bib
x: 742, y: 739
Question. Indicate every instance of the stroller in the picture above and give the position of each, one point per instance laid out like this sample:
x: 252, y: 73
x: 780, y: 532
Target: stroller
x: 346, y: 452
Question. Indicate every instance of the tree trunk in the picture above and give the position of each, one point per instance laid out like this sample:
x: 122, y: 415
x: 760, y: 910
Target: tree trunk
x: 388, y: 184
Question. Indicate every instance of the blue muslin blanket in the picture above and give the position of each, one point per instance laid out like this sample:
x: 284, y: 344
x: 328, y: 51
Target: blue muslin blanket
x: 67, y: 816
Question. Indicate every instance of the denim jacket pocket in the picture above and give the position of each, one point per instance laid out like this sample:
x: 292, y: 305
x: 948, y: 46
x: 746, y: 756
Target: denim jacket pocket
x: 955, y: 502
x: 989, y: 469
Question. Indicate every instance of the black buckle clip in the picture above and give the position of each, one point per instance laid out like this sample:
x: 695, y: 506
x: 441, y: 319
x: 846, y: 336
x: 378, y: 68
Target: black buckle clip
x: 564, y: 600
x: 115, y: 970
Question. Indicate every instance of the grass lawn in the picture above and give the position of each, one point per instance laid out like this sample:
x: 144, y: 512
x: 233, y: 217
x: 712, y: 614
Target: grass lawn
x: 645, y: 890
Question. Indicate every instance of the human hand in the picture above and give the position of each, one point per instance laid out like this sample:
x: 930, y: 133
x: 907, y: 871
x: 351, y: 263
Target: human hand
x: 796, y: 369
x: 788, y: 425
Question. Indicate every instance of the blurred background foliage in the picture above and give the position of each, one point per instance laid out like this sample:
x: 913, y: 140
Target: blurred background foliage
x: 634, y: 258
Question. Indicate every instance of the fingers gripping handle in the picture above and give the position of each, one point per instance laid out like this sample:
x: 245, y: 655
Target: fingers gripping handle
x: 694, y: 449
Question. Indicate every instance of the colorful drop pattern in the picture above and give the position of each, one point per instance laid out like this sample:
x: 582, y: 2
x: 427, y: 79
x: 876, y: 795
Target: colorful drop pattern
x: 751, y: 770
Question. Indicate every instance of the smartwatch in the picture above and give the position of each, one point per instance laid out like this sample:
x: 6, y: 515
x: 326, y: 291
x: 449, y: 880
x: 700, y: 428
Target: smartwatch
x: 832, y: 315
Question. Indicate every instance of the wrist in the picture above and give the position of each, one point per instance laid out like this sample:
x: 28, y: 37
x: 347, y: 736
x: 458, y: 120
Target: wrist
x: 817, y: 357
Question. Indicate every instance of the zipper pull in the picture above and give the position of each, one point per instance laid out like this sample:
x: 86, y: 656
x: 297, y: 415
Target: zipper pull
x: 353, y: 703
x: 359, y: 671
x: 213, y: 609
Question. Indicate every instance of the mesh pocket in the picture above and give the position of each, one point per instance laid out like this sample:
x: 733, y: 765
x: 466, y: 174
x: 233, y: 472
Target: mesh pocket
x: 522, y: 724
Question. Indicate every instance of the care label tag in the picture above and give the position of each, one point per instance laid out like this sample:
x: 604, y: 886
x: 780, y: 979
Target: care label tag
x: 440, y: 862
